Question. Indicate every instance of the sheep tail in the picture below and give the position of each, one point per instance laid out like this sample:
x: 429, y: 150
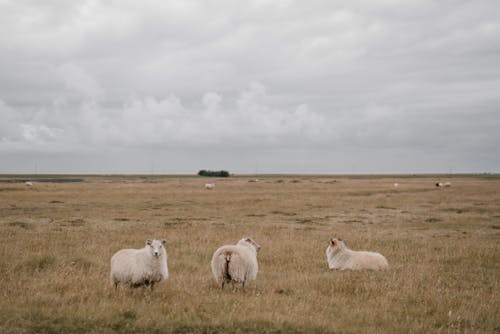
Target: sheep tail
x: 227, y: 258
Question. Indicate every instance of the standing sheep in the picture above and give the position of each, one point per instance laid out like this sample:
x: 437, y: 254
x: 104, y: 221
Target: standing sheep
x: 136, y: 267
x: 340, y: 257
x: 236, y: 263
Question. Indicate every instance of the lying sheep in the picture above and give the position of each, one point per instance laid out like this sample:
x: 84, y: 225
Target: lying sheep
x: 341, y: 257
x: 209, y: 186
x: 236, y: 263
x: 443, y: 184
x: 136, y: 267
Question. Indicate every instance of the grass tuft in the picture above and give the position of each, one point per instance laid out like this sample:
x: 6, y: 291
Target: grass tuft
x: 37, y: 264
x: 23, y: 225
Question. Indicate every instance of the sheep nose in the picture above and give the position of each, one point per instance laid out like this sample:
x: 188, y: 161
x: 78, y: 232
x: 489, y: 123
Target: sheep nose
x: 156, y: 254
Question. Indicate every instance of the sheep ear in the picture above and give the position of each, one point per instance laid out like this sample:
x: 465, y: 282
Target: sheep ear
x: 149, y: 242
x: 332, y: 242
x: 163, y: 242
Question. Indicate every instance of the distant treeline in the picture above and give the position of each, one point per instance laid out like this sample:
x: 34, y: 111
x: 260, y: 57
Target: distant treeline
x: 216, y: 173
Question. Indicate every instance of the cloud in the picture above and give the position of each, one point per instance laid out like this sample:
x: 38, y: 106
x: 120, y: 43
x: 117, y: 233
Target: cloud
x: 79, y: 81
x: 211, y: 101
x: 166, y: 122
x: 10, y: 124
x: 37, y: 133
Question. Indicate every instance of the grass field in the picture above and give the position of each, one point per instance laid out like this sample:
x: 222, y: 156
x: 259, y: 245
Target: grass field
x: 442, y: 244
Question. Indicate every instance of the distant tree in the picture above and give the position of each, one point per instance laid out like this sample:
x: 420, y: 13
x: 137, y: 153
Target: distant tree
x: 209, y: 173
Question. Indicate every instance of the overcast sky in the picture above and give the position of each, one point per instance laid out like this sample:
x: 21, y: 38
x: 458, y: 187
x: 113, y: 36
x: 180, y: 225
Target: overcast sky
x: 267, y: 86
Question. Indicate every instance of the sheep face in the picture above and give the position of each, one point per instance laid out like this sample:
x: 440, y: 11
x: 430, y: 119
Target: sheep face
x: 335, y: 245
x: 252, y: 243
x: 155, y: 247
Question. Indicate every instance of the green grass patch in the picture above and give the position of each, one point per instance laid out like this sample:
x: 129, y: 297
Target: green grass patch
x: 23, y: 225
x: 37, y: 264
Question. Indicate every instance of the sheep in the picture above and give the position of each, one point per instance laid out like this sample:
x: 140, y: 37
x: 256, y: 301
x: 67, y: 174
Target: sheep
x: 28, y: 183
x: 209, y: 186
x: 136, y: 267
x: 443, y: 184
x: 340, y: 257
x: 236, y: 263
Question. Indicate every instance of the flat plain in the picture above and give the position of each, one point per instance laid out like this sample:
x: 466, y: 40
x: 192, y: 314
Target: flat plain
x: 442, y: 244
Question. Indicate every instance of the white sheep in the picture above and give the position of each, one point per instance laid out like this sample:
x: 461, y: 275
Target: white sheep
x: 340, y: 257
x: 236, y: 263
x: 136, y: 267
x: 443, y: 184
x: 209, y: 186
x: 28, y: 183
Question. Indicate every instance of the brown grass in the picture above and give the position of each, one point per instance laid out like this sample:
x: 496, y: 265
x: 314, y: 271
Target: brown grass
x: 442, y: 245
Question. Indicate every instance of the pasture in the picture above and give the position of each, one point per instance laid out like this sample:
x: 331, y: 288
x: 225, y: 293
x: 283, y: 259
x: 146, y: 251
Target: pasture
x: 442, y: 244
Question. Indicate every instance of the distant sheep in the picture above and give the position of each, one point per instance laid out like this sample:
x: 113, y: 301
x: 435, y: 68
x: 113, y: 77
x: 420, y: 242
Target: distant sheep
x: 236, y: 263
x: 443, y: 184
x: 340, y: 257
x: 28, y: 183
x: 136, y: 267
x: 209, y: 186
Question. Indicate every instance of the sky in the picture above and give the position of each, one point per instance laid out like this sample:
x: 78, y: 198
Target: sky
x: 259, y: 86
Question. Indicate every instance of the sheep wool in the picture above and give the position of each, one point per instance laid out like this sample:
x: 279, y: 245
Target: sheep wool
x: 340, y: 257
x: 136, y: 267
x: 236, y: 263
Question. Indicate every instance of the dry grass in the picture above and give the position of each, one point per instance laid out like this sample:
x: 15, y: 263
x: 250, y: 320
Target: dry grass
x: 442, y: 245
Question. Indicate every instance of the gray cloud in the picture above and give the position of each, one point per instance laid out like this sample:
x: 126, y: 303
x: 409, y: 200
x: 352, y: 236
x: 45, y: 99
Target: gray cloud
x: 141, y: 122
x: 294, y: 85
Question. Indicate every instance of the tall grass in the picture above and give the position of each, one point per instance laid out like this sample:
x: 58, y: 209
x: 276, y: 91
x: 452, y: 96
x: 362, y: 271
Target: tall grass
x: 442, y: 246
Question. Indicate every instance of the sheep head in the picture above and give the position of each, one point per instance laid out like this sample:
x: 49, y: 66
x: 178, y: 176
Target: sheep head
x: 249, y: 241
x: 155, y: 247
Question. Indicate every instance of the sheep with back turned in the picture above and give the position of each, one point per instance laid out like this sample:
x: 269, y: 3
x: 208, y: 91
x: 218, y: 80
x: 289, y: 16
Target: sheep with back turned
x: 236, y: 263
x: 137, y: 267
